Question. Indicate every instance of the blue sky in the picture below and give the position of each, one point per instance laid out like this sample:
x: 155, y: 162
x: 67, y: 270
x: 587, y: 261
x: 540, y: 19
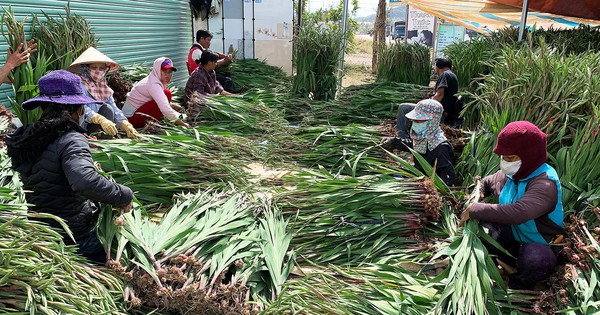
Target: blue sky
x: 365, y: 7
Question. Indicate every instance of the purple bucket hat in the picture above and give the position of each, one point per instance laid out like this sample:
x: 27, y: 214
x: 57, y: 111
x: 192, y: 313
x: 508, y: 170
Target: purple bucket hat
x: 59, y: 87
x: 426, y: 110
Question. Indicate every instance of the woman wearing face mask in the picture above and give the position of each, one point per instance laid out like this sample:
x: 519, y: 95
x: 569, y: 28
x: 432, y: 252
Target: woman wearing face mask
x: 150, y: 99
x: 55, y: 163
x: 529, y: 216
x: 93, y: 66
x: 428, y: 139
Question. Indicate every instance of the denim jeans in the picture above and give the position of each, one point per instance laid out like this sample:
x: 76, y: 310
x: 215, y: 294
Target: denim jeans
x: 402, y: 121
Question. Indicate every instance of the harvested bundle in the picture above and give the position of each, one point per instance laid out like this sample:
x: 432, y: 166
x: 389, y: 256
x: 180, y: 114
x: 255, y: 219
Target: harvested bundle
x: 254, y: 73
x: 206, y: 255
x: 368, y: 103
x: 406, y: 63
x: 471, y: 275
x: 25, y: 77
x: 347, y: 150
x: 236, y: 114
x: 371, y: 289
x: 164, y: 165
x: 316, y: 54
x: 39, y: 274
x: 62, y: 39
x: 358, y: 220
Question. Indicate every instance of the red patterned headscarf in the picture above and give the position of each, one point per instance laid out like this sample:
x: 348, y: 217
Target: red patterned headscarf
x: 95, y: 83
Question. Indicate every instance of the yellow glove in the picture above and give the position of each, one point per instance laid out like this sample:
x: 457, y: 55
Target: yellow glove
x: 108, y: 126
x: 128, y: 128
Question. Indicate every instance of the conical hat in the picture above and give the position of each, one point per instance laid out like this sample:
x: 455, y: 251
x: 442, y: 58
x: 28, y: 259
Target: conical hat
x: 92, y: 55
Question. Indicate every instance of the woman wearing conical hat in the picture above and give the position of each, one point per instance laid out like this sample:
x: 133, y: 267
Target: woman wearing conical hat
x: 93, y: 66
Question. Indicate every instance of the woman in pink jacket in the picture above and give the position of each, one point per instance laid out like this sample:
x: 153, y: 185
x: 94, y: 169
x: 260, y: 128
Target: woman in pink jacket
x: 150, y: 98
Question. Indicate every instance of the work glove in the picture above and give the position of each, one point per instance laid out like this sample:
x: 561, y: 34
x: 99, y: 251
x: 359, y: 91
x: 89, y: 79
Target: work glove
x: 129, y: 130
x: 108, y: 126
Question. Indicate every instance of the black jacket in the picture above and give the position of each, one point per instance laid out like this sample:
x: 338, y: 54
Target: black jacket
x: 443, y: 154
x: 63, y: 180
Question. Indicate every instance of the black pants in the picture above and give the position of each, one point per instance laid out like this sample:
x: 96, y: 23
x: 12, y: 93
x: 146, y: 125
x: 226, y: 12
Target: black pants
x: 91, y: 248
x: 226, y: 82
x: 534, y: 261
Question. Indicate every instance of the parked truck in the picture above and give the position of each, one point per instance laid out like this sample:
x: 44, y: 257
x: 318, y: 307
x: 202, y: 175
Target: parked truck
x: 398, y: 30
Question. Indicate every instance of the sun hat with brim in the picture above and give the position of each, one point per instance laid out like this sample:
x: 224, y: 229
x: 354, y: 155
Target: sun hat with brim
x: 426, y: 110
x: 93, y: 55
x: 59, y: 87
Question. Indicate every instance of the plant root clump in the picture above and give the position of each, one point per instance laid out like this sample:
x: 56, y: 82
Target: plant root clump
x: 432, y: 201
x: 176, y: 294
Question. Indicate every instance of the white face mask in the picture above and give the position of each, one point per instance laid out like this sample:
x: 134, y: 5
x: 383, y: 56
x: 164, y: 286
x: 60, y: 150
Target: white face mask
x: 419, y: 128
x: 509, y: 168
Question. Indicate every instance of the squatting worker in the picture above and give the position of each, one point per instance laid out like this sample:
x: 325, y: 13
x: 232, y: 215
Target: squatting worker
x: 529, y: 215
x: 204, y: 80
x: 150, y: 99
x: 427, y: 138
x: 93, y: 67
x: 445, y: 91
x: 55, y: 163
x: 203, y: 39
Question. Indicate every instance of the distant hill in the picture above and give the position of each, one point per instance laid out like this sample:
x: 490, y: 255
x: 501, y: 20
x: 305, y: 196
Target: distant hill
x: 394, y: 14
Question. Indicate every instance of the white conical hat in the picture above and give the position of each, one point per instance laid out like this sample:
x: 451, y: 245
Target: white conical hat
x: 92, y: 55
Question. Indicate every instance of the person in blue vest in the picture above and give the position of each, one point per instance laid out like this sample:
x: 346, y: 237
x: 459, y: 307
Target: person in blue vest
x: 529, y: 216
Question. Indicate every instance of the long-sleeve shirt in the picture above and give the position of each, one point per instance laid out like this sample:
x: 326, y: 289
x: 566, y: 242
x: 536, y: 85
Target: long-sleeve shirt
x: 149, y: 89
x: 93, y: 108
x: 202, y: 82
x: 539, y: 199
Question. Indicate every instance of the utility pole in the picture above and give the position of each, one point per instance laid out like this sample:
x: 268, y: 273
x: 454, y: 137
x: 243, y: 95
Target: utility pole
x: 378, y: 33
x: 343, y: 45
x: 523, y: 20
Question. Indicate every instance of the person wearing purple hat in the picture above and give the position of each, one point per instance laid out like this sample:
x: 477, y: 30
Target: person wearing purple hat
x: 55, y: 163
x: 427, y: 138
x: 529, y: 216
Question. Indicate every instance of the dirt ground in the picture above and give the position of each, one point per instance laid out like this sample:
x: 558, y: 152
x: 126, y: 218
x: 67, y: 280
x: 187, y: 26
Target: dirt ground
x: 357, y: 69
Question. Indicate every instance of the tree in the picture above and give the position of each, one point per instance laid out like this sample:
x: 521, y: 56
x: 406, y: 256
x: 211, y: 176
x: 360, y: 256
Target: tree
x: 378, y: 33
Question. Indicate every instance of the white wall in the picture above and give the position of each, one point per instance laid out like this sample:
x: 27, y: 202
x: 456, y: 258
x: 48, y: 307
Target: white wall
x: 268, y: 36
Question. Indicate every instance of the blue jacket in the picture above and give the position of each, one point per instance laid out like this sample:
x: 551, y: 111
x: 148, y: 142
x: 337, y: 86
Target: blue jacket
x: 513, y: 190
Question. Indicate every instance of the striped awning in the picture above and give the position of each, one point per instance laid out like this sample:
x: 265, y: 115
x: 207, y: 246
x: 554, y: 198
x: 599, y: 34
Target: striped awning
x: 486, y: 16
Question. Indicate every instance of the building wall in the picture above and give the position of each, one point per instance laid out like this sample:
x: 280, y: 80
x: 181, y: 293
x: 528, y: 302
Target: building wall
x: 130, y: 32
x: 259, y: 29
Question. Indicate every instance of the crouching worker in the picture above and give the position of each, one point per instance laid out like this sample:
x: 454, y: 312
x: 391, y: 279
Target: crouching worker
x: 150, y: 99
x: 204, y: 80
x: 427, y: 138
x: 529, y: 215
x: 93, y: 66
x: 55, y: 163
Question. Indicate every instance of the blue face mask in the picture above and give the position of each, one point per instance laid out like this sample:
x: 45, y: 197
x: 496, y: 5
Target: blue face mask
x: 419, y: 128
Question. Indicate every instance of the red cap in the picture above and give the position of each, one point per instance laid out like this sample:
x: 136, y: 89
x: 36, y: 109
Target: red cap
x: 525, y: 140
x: 167, y: 64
